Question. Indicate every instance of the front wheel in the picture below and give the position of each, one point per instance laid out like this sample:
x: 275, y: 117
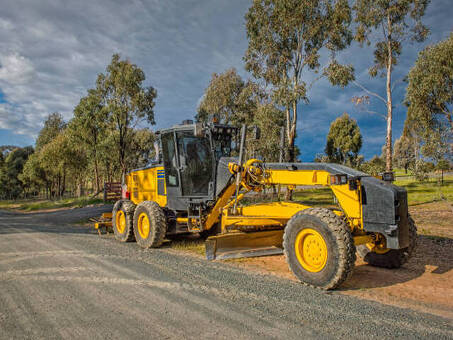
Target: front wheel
x: 380, y: 256
x: 319, y: 248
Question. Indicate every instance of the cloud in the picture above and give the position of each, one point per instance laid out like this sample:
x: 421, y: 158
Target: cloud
x: 51, y: 52
x: 15, y: 69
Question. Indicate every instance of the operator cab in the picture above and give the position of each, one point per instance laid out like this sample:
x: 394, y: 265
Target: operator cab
x: 190, y: 154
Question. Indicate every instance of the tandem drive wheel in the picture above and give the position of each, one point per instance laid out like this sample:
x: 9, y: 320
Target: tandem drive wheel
x: 319, y: 248
x: 122, y: 215
x: 150, y: 224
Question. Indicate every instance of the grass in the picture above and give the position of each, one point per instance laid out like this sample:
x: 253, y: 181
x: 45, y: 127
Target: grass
x: 427, y: 191
x: 401, y: 172
x: 192, y: 245
x: 33, y: 205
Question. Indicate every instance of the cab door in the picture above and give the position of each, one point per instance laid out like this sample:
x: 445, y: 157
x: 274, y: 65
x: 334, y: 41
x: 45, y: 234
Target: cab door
x: 171, y: 167
x: 196, y: 164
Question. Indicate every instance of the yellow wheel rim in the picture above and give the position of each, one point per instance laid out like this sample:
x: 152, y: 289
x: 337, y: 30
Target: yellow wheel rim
x: 120, y: 221
x: 143, y: 225
x: 311, y: 250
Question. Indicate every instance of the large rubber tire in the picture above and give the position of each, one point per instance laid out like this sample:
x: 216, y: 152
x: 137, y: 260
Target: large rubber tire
x: 152, y: 216
x: 394, y: 258
x: 337, y: 236
x: 123, y: 233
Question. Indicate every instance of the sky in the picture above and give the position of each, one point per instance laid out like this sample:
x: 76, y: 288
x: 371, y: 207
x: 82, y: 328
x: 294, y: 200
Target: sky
x: 52, y: 51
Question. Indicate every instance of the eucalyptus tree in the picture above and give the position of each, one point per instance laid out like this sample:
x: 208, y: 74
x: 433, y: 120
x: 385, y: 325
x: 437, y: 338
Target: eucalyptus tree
x: 127, y: 102
x: 430, y: 86
x: 388, y: 24
x: 225, y: 97
x: 89, y: 127
x: 404, y: 152
x: 344, y: 141
x: 53, y: 125
x: 235, y: 101
x: 285, y: 39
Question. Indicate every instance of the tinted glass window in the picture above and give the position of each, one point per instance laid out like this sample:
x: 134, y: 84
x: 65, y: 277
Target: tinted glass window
x: 196, y: 163
x: 169, y: 153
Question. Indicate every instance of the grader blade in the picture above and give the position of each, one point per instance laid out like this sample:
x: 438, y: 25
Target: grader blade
x: 239, y: 245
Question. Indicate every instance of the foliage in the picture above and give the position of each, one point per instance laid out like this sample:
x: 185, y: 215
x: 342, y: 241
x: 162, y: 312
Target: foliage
x: 388, y: 23
x: 11, y: 167
x: 404, y: 152
x: 344, y: 140
x: 285, y: 39
x: 237, y: 102
x: 430, y: 86
x: 53, y: 125
x: 141, y: 149
x: 229, y: 99
x: 269, y: 119
x: 126, y: 101
x: 374, y: 167
x: 89, y: 127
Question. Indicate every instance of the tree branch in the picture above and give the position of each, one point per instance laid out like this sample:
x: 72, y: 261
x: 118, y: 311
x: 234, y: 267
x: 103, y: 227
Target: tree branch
x: 374, y: 94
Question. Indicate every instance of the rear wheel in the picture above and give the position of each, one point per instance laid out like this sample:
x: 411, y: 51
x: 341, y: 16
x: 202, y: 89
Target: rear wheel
x: 379, y: 255
x: 150, y: 224
x: 122, y: 216
x: 319, y: 248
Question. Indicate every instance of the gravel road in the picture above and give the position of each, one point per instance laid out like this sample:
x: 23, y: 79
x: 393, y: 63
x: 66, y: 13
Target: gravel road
x: 62, y: 281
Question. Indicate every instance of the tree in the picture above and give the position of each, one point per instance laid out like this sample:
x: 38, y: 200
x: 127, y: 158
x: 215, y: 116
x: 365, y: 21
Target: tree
x: 269, y: 119
x: 62, y: 160
x: 285, y: 39
x: 53, y: 125
x: 443, y: 165
x: 238, y: 102
x: 89, y: 127
x: 33, y: 175
x: 344, y: 140
x: 126, y: 101
x: 386, y: 22
x: 229, y: 98
x: 429, y: 92
x: 10, y: 185
x: 374, y: 166
x: 404, y: 152
x: 141, y: 149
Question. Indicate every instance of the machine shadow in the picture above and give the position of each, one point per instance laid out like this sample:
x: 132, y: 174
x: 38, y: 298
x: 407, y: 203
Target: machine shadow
x: 431, y: 252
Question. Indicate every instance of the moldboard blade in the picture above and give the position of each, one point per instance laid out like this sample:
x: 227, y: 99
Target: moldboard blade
x: 240, y: 244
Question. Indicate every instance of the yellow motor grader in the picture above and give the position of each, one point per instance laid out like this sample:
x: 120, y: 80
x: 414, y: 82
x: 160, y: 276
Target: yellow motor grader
x: 195, y: 186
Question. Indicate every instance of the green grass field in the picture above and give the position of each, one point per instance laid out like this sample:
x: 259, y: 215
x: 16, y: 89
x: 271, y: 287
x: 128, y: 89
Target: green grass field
x: 428, y: 191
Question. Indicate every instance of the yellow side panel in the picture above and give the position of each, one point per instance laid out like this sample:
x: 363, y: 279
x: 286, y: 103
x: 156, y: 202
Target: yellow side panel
x: 300, y: 177
x: 350, y: 202
x: 143, y: 186
x: 277, y: 210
